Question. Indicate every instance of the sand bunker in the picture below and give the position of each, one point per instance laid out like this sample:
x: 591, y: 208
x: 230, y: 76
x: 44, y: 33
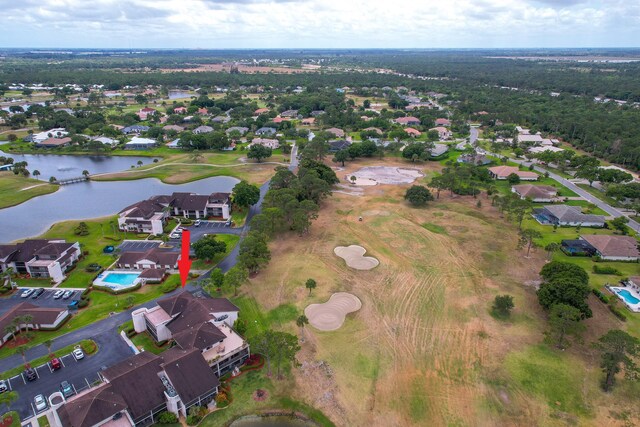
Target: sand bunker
x: 330, y: 315
x: 354, y: 256
x: 372, y: 175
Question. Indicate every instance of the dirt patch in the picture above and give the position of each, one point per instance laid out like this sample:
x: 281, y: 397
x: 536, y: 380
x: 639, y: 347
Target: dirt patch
x: 330, y: 315
x: 373, y: 175
x: 354, y: 257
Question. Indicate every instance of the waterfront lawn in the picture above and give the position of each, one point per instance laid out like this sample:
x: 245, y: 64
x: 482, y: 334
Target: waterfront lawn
x: 12, y: 189
x: 242, y: 389
x: 230, y: 239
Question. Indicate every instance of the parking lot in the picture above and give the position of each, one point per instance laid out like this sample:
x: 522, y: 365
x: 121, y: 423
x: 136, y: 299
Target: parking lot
x: 44, y: 300
x: 80, y: 374
x: 138, y: 245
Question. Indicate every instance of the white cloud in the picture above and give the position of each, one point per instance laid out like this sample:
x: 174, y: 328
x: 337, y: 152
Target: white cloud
x: 313, y: 23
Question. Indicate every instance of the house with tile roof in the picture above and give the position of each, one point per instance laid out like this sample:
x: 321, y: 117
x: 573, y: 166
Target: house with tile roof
x: 536, y: 193
x: 613, y: 247
x: 503, y: 172
x: 408, y: 121
x: 564, y: 215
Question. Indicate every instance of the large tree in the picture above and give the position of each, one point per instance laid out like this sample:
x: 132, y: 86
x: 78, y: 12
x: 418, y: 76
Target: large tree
x: 527, y: 239
x: 418, y: 195
x: 564, y: 270
x: 618, y: 350
x: 259, y: 152
x: 285, y: 348
x: 208, y: 247
x: 565, y: 291
x: 254, y: 252
x: 245, y: 194
x: 564, y: 321
x: 235, y: 277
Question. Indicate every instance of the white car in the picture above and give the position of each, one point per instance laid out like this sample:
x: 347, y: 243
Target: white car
x: 58, y: 294
x: 197, y: 223
x: 78, y: 353
x: 174, y: 236
x: 41, y: 402
x: 3, y: 386
x: 26, y: 293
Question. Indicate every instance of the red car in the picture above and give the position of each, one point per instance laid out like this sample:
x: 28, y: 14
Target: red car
x: 55, y: 364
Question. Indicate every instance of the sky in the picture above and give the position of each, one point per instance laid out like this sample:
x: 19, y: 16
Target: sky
x: 230, y: 24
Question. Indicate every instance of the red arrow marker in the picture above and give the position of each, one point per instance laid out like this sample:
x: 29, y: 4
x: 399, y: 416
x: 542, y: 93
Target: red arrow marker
x: 184, y: 265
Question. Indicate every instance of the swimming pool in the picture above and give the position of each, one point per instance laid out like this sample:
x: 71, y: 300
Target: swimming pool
x: 117, y: 279
x: 627, y: 296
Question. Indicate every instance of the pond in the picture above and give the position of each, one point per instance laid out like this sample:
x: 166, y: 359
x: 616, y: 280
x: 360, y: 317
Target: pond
x: 176, y: 94
x: 92, y: 199
x: 66, y: 166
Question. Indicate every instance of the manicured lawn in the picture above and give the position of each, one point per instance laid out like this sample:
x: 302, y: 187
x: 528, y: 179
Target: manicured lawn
x: 599, y: 194
x: 145, y: 342
x: 12, y: 193
x: 41, y: 360
x: 505, y: 188
x: 231, y: 241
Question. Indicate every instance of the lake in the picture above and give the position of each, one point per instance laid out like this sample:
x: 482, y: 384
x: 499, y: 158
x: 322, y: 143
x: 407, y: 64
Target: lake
x: 271, y: 421
x: 66, y: 166
x: 176, y: 94
x: 91, y: 200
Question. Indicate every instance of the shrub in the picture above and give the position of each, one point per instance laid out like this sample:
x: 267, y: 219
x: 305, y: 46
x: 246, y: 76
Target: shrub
x: 597, y: 269
x: 418, y: 195
x: 88, y: 346
x: 167, y: 417
x: 502, y: 305
x: 602, y: 297
x: 168, y: 286
x: 82, y: 303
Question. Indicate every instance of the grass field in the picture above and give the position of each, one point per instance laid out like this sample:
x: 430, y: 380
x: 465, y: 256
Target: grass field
x: 12, y: 189
x: 231, y: 241
x: 424, y: 349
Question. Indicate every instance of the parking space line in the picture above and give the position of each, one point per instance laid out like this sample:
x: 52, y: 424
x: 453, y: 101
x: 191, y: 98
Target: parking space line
x: 33, y: 409
x: 37, y: 374
x: 49, y: 365
x: 23, y: 380
x: 87, y: 381
x: 63, y: 365
x: 9, y: 383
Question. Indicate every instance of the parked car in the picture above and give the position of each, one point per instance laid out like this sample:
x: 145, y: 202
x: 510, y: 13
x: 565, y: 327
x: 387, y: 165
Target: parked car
x: 56, y: 364
x: 3, y: 386
x: 40, y: 402
x: 30, y: 374
x: 26, y: 293
x: 66, y: 389
x: 78, y: 353
x: 67, y: 294
x: 174, y: 236
x: 197, y: 223
x: 37, y: 293
x: 58, y: 294
x: 73, y: 305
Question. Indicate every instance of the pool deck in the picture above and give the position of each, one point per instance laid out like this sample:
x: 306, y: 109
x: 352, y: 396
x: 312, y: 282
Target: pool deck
x: 632, y: 290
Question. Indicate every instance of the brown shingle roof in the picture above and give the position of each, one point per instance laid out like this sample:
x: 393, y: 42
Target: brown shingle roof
x: 157, y: 255
x: 41, y: 315
x: 198, y: 334
x: 178, y: 303
x: 535, y: 191
x: 189, y: 373
x: 144, y: 209
x: 91, y: 408
x: 613, y: 246
x: 190, y: 201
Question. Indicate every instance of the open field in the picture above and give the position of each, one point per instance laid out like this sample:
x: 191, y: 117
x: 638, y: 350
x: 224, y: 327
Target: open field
x: 182, y: 168
x: 15, y: 189
x: 424, y: 349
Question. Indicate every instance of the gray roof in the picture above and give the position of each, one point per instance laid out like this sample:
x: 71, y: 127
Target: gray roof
x: 566, y: 213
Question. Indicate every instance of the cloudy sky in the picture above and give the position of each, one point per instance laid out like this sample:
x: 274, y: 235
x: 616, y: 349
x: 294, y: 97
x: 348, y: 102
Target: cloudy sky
x: 319, y: 23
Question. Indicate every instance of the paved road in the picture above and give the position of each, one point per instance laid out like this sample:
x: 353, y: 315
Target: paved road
x: 581, y: 192
x: 105, y: 333
x: 473, y: 137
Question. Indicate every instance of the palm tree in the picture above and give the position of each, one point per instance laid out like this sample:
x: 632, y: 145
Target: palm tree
x: 5, y: 276
x: 22, y: 351
x: 301, y: 321
x: 48, y: 344
x: 139, y: 162
x: 25, y: 320
x: 10, y: 329
x: 85, y: 173
x: 8, y: 398
x: 36, y: 173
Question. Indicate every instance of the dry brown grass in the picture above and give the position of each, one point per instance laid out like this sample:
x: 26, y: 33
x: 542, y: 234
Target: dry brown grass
x: 423, y: 350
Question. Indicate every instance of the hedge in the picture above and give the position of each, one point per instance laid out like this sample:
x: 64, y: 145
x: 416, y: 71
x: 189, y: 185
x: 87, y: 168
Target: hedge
x: 597, y: 269
x: 119, y: 291
x: 601, y: 296
x: 619, y: 314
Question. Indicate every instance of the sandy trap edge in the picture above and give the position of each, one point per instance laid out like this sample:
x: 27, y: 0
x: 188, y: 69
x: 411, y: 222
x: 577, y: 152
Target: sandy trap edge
x: 354, y: 257
x: 330, y: 315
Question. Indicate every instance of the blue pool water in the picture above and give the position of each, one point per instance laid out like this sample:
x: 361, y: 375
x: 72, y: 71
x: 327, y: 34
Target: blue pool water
x: 626, y: 295
x: 122, y: 279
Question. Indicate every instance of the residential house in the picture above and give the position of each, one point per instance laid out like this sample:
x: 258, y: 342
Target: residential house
x: 443, y: 132
x: 376, y: 130
x: 137, y: 129
x: 174, y: 381
x: 202, y: 111
x: 613, y: 248
x: 145, y: 113
x: 316, y: 113
x: 537, y: 150
x: 240, y: 129
x: 577, y: 247
x: 266, y: 131
x: 195, y: 206
x: 54, y: 142
x: 475, y: 159
x: 337, y: 145
x: 146, y: 216
x: 289, y: 113
x: 138, y: 143
x: 310, y: 121
x: 202, y: 323
x: 173, y: 127
x: 279, y: 119
x: 40, y: 258
x: 106, y: 140
x: 42, y: 318
x: 221, y: 119
x: 536, y: 193
x: 51, y: 133
x: 439, y: 150
x: 503, y: 172
x: 338, y: 133
x: 564, y: 215
x: 180, y: 110
x: 202, y: 129
x: 408, y: 121
x: 260, y: 111
x: 414, y: 133
x: 265, y: 142
x: 155, y: 258
x: 443, y: 122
